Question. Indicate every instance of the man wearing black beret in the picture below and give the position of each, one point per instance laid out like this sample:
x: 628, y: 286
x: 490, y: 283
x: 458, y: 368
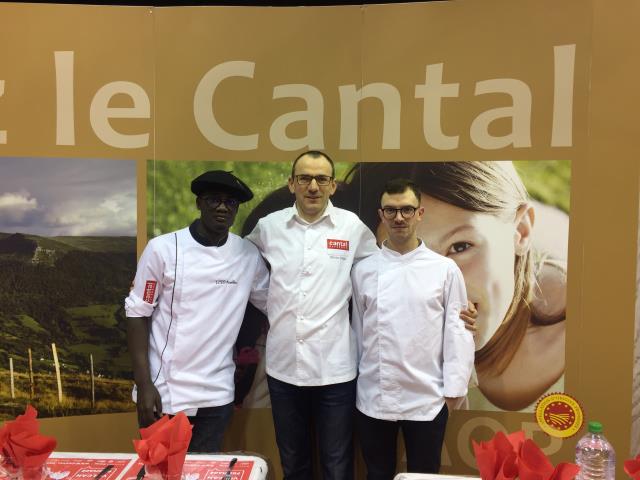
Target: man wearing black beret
x: 185, y: 310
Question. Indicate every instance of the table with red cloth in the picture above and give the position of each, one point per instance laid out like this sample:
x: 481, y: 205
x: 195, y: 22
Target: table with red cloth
x: 125, y: 466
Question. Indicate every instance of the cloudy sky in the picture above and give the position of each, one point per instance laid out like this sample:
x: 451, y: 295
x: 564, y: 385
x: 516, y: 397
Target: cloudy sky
x: 65, y: 196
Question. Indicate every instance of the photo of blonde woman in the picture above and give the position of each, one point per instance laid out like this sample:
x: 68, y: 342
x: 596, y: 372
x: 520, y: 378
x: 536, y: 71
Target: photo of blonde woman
x: 480, y: 215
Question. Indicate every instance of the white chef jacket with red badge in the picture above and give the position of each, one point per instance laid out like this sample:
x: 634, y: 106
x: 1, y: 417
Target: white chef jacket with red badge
x: 310, y: 341
x: 196, y: 297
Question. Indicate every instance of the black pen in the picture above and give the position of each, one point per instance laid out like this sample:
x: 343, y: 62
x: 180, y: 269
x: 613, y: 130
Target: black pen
x: 141, y: 473
x: 227, y: 476
x: 103, y: 472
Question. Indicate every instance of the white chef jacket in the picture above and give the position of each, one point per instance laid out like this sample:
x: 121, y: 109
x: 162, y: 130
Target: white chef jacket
x: 193, y: 334
x: 413, y: 347
x: 310, y: 341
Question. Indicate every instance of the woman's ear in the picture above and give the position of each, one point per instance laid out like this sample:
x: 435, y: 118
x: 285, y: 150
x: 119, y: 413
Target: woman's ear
x: 525, y: 218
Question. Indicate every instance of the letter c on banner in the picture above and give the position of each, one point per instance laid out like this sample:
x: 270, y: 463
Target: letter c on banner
x: 203, y: 106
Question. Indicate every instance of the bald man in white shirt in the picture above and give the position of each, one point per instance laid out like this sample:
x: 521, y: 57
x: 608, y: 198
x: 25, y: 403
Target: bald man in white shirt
x: 311, y: 348
x: 415, y: 355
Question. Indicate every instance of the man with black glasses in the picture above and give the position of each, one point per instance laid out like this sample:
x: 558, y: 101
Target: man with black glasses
x: 415, y: 355
x: 185, y: 310
x: 311, y: 348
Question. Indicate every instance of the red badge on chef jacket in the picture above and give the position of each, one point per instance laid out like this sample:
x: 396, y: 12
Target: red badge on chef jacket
x: 337, y: 244
x: 149, y: 291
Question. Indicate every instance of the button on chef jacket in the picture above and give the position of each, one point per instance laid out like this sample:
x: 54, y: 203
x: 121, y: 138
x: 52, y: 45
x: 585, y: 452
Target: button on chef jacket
x: 413, y: 347
x: 310, y: 341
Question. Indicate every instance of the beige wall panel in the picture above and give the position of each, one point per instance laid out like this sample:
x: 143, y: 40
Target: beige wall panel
x: 320, y: 47
x: 605, y: 339
x: 109, y: 44
x: 475, y: 41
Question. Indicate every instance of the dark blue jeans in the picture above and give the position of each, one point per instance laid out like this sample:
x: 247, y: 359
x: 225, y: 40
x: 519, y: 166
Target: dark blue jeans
x: 209, y: 425
x: 330, y: 408
x: 422, y: 439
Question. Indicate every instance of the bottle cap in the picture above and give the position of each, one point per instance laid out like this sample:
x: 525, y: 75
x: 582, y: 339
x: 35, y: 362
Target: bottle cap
x: 595, y: 427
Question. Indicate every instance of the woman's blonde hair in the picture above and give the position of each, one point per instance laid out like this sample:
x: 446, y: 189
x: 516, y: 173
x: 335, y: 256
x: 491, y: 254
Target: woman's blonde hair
x: 492, y: 187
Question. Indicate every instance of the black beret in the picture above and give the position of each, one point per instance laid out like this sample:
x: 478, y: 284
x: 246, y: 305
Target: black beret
x: 223, y: 181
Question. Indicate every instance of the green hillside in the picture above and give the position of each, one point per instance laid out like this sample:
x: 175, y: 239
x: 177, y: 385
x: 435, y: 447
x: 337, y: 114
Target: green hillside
x: 73, y: 297
x: 100, y: 244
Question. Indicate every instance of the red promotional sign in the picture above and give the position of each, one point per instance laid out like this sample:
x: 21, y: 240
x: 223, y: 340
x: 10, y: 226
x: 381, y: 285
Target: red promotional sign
x: 203, y: 470
x: 89, y: 468
x: 149, y: 291
x: 337, y: 244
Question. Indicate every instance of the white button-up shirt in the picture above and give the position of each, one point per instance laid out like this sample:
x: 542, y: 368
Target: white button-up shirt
x: 196, y: 298
x: 413, y: 347
x: 310, y: 341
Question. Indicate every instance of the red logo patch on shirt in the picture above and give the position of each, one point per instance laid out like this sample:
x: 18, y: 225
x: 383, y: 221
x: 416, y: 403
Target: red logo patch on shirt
x: 149, y: 291
x: 337, y: 244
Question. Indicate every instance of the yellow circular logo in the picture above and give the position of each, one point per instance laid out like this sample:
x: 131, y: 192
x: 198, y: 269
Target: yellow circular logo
x: 559, y: 415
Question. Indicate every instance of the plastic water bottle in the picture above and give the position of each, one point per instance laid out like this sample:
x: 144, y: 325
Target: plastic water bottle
x: 595, y: 455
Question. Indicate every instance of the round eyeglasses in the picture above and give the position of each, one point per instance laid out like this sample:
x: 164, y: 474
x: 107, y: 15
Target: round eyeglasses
x: 214, y: 202
x: 406, y: 212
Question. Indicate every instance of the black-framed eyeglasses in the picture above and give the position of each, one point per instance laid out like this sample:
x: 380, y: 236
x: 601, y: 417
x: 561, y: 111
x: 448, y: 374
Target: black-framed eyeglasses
x: 321, y: 180
x: 407, y: 212
x: 214, y: 202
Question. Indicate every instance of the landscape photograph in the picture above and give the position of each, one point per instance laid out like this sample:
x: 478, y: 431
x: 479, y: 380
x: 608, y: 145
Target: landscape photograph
x: 67, y: 257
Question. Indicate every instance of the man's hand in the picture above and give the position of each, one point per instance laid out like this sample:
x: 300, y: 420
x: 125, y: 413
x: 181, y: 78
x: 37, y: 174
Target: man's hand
x: 453, y: 403
x: 148, y: 404
x: 469, y: 317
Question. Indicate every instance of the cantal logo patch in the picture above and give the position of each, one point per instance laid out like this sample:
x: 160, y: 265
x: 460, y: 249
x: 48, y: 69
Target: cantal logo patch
x: 333, y: 244
x: 149, y: 291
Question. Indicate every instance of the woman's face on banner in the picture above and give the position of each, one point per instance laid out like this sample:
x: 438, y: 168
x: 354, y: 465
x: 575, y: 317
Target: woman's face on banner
x: 483, y: 246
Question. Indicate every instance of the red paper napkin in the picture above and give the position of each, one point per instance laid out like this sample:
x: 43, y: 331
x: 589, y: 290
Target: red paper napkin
x: 506, y: 457
x: 632, y: 467
x: 164, y: 445
x: 497, y: 459
x: 22, y: 445
x: 534, y: 465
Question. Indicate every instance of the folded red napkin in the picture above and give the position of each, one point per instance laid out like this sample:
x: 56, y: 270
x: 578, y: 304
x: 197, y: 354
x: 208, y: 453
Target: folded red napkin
x: 497, y: 458
x: 632, y: 467
x: 23, y: 447
x: 506, y: 457
x: 164, y: 445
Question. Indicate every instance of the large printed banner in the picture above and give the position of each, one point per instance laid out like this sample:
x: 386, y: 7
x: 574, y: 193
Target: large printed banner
x: 493, y: 108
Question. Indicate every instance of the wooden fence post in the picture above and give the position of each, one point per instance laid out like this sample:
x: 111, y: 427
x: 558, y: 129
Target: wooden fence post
x: 13, y: 391
x: 57, y: 365
x: 31, y: 380
x: 93, y: 385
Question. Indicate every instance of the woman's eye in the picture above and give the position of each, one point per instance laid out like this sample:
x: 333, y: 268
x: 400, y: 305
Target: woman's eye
x: 458, y: 247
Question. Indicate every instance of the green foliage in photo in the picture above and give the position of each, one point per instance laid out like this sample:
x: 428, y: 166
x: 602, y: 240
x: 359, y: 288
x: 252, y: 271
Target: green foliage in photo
x: 171, y: 205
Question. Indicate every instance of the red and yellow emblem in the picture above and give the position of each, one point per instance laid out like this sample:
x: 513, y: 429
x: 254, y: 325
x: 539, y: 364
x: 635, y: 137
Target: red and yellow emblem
x: 559, y: 415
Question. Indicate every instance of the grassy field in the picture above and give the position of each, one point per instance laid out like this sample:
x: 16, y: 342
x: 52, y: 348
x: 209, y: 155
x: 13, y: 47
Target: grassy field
x: 99, y: 244
x: 103, y: 315
x: 548, y: 182
x: 112, y: 395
